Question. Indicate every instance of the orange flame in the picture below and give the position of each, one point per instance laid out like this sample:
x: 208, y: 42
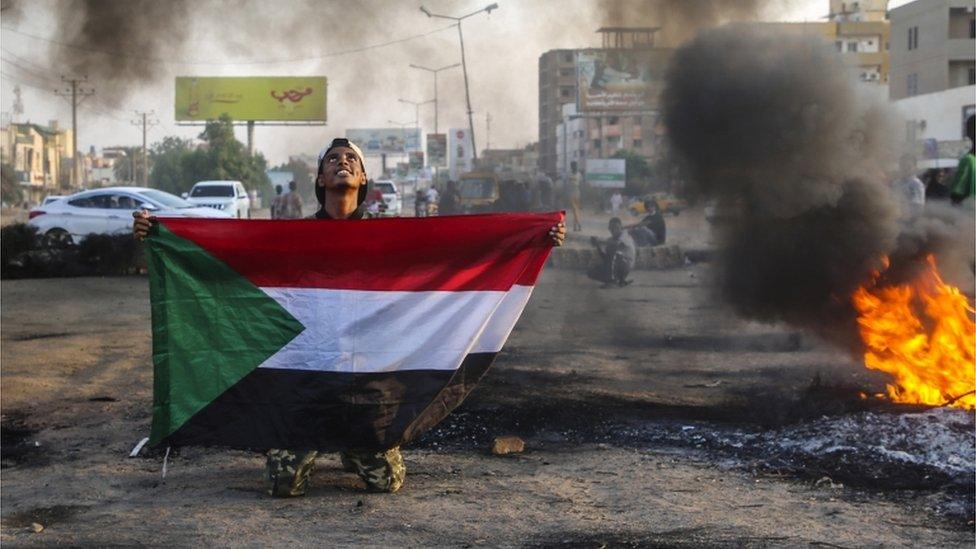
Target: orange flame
x: 923, y: 334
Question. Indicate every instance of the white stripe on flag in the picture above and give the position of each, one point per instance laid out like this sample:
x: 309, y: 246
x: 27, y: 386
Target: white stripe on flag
x: 371, y: 331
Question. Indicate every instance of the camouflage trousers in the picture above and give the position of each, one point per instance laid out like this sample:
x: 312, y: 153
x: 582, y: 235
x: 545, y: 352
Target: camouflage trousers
x: 288, y: 471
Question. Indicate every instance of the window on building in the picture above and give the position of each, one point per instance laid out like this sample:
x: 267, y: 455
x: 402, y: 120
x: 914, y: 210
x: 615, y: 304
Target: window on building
x: 613, y: 120
x: 638, y: 120
x: 972, y: 28
x: 565, y: 72
x: 840, y: 45
x: 565, y: 92
x: 852, y: 47
x: 638, y: 143
x: 972, y: 76
x: 913, y: 38
x: 568, y: 57
x: 596, y: 144
x: 912, y: 85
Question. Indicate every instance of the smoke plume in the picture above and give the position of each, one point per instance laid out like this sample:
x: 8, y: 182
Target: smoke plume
x: 679, y: 20
x: 772, y: 126
x: 118, y: 42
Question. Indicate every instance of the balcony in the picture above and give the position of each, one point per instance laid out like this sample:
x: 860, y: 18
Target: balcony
x: 961, y: 49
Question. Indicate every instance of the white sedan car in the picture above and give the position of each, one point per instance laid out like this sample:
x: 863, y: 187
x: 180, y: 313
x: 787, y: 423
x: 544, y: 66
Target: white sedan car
x: 107, y: 211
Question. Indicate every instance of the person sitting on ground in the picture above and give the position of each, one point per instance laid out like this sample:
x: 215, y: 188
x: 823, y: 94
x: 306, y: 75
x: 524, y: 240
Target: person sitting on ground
x: 650, y: 230
x: 617, y: 255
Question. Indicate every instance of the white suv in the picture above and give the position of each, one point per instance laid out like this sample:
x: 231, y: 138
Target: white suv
x: 227, y: 196
x: 391, y: 196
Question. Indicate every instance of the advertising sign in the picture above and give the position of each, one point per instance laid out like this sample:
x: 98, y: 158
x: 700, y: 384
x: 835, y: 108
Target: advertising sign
x: 377, y: 141
x: 402, y: 169
x: 416, y: 161
x: 617, y: 80
x: 259, y: 98
x: 437, y: 150
x: 460, y: 153
x: 606, y: 173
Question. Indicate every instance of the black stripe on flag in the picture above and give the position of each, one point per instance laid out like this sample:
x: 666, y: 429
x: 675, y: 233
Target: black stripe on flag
x: 330, y: 411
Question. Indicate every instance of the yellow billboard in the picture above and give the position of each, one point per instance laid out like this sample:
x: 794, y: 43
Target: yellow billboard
x: 260, y: 98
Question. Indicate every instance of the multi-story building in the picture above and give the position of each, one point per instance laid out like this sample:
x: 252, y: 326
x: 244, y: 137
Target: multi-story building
x: 40, y: 157
x: 861, y: 33
x: 933, y: 75
x: 932, y: 47
x: 522, y: 161
x: 617, y: 107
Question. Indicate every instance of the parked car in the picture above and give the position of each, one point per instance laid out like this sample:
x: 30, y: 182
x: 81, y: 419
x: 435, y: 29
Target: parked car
x: 108, y: 210
x: 391, y: 196
x: 226, y: 196
x: 667, y: 203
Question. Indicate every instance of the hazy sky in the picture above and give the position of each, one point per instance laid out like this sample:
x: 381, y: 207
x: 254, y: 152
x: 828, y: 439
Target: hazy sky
x: 246, y: 37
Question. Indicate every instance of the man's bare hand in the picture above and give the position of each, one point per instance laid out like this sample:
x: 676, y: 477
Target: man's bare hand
x: 141, y: 223
x: 558, y: 234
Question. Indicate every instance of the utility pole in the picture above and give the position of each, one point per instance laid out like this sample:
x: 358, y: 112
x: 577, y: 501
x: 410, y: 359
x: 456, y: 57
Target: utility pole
x: 77, y: 94
x: 144, y: 120
x: 434, y: 72
x: 464, y: 66
x: 487, y: 131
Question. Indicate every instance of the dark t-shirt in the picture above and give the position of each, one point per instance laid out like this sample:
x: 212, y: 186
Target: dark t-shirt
x: 655, y: 222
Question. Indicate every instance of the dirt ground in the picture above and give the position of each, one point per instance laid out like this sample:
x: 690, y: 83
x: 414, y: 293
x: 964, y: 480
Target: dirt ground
x: 590, y: 379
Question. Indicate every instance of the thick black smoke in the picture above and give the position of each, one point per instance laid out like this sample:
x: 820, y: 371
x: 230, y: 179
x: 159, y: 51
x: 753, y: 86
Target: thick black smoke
x: 118, y: 42
x: 772, y: 127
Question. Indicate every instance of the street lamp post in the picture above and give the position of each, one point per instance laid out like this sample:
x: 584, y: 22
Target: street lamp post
x: 416, y: 108
x: 434, y: 72
x: 464, y: 65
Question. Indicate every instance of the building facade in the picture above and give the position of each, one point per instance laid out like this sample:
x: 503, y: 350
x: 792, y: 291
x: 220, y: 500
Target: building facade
x: 859, y: 32
x: 40, y: 157
x: 573, y: 125
x: 933, y: 47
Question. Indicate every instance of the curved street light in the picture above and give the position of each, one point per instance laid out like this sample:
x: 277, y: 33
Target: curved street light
x: 464, y: 66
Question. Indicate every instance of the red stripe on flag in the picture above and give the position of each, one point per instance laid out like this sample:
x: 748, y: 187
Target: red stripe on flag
x: 451, y: 253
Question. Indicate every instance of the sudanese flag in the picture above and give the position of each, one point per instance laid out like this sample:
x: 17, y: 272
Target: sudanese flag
x: 330, y: 335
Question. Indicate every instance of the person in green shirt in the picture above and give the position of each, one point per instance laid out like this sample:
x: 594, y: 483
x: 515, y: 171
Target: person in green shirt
x: 965, y: 178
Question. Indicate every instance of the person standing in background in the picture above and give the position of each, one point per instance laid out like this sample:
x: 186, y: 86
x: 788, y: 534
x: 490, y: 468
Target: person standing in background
x: 573, y: 191
x: 293, y: 203
x: 277, y: 203
x: 962, y: 187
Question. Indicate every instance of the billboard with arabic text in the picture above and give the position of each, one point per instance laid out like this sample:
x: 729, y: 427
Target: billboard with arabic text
x: 258, y: 98
x: 620, y: 80
x: 378, y: 141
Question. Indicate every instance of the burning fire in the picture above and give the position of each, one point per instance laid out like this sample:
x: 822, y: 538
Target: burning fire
x: 922, y: 334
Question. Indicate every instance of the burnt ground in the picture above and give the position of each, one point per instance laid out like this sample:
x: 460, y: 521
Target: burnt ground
x: 652, y: 418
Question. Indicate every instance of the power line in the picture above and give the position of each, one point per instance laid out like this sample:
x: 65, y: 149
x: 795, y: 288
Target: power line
x: 225, y: 63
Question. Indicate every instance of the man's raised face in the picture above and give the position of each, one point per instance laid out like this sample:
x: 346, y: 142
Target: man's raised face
x: 341, y: 169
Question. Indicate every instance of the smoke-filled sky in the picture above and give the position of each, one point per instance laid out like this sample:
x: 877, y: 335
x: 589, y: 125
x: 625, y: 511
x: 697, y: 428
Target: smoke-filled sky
x: 157, y: 41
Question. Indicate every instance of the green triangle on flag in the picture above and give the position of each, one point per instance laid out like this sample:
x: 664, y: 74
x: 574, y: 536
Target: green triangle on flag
x: 211, y: 327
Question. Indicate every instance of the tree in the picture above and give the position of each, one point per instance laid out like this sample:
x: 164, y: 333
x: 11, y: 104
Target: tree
x: 639, y: 172
x: 128, y: 168
x: 10, y: 191
x: 169, y: 160
x: 177, y: 164
x: 224, y: 157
